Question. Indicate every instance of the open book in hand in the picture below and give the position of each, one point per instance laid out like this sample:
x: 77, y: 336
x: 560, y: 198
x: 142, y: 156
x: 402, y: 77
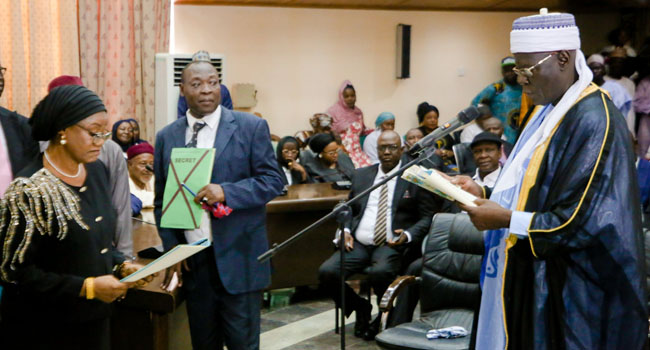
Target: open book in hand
x: 432, y: 181
x: 176, y: 255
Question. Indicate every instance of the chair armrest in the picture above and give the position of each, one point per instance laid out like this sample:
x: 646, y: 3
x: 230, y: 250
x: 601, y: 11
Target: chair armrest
x: 387, y: 300
x: 393, y: 290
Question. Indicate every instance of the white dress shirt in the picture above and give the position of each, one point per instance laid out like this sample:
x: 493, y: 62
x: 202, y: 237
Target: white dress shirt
x: 365, y: 232
x: 6, y: 174
x: 489, y: 180
x: 287, y: 174
x: 205, y: 139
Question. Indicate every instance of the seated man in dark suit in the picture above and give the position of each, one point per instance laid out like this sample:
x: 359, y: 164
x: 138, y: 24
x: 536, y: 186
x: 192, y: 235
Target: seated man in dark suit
x: 385, y: 224
x: 17, y: 147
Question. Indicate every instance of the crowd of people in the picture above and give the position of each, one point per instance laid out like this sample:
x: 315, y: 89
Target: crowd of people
x: 547, y: 141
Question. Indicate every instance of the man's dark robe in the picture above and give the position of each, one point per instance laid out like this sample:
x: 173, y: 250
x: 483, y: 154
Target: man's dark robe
x: 577, y: 282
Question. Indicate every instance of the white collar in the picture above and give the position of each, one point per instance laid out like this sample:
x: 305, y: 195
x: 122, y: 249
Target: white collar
x: 491, y: 177
x: 380, y: 173
x: 212, y: 119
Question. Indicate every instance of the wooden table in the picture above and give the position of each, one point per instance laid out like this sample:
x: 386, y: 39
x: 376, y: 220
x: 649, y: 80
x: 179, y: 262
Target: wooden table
x: 297, y: 265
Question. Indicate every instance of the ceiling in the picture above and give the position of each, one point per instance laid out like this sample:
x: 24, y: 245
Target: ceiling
x: 440, y: 5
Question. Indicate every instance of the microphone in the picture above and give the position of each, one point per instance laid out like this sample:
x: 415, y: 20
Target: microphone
x: 465, y: 116
x: 148, y: 168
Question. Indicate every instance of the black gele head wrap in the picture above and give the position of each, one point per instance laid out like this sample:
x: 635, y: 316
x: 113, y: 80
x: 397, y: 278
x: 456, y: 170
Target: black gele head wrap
x: 63, y: 107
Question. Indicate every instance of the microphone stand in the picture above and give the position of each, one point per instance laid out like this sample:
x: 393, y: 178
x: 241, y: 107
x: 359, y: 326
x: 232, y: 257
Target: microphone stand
x: 342, y: 213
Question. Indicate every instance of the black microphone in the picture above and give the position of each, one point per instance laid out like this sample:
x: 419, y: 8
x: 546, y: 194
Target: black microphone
x: 465, y: 116
x: 148, y: 167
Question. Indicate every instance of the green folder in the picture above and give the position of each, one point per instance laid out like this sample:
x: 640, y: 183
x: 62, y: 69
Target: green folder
x: 192, y: 167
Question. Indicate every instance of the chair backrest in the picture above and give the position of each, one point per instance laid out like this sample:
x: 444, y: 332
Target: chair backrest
x: 464, y: 159
x: 449, y: 279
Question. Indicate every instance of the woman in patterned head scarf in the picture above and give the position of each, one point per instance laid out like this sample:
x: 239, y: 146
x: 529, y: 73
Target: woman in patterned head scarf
x: 58, y: 265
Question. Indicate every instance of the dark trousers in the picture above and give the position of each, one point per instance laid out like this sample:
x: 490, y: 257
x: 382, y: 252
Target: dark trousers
x: 216, y: 316
x: 408, y: 298
x: 384, y: 263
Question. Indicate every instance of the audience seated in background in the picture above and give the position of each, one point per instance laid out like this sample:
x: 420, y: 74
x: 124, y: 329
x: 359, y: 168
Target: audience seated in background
x: 411, y: 138
x: 385, y: 121
x: 385, y: 224
x: 122, y: 134
x: 621, y: 98
x: 504, y: 98
x: 486, y: 149
x: 475, y: 128
x: 321, y: 123
x: 141, y: 180
x: 618, y: 70
x: 327, y: 163
x: 495, y: 126
x: 136, y: 132
x: 288, y: 156
x: 642, y: 108
x: 347, y: 121
x: 428, y: 119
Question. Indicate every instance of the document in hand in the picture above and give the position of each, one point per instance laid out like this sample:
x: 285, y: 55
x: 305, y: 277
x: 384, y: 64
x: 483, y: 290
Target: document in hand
x: 192, y: 167
x: 434, y: 182
x: 178, y: 254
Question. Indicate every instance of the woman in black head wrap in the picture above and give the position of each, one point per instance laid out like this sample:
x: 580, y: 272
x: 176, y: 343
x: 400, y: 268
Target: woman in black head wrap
x: 56, y: 228
x: 135, y: 131
x: 288, y: 156
x: 123, y: 134
x: 428, y: 118
x: 327, y: 163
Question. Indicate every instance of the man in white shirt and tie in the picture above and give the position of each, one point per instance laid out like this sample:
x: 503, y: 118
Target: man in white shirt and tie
x: 385, y: 224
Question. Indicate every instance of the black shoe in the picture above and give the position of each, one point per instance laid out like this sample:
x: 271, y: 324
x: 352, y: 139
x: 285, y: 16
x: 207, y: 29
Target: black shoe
x: 363, y: 317
x: 373, y: 329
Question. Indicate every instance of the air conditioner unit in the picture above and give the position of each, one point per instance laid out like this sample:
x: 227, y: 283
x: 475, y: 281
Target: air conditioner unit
x: 168, y: 76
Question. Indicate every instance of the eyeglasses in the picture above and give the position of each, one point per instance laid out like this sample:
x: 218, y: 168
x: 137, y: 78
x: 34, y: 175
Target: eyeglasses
x: 3, y: 70
x: 289, y: 151
x: 528, y: 72
x: 391, y: 148
x: 98, y: 137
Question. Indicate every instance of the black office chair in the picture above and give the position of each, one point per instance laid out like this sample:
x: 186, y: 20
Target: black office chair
x: 464, y: 159
x: 449, y: 287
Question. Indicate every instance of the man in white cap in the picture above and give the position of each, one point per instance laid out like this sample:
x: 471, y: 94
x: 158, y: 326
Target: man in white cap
x: 563, y: 266
x: 619, y: 95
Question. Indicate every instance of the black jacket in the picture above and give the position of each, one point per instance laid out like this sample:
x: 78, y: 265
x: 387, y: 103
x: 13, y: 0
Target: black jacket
x: 22, y: 147
x: 411, y: 210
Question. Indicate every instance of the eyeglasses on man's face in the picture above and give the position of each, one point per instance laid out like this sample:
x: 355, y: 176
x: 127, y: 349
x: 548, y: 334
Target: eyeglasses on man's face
x: 528, y: 72
x: 384, y: 148
x: 97, y: 137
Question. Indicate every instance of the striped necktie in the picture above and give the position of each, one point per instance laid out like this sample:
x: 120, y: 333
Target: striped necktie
x: 380, y: 223
x: 195, y: 133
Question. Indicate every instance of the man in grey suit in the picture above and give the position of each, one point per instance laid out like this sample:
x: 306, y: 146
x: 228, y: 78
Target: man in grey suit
x: 224, y: 282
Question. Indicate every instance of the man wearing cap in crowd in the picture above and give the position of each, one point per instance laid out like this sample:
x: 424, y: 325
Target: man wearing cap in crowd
x: 141, y: 181
x: 385, y: 121
x: 619, y: 95
x: 563, y: 265
x: 486, y: 148
x: 504, y: 98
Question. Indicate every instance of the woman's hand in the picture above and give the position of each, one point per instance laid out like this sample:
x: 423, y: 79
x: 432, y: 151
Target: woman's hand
x: 107, y: 288
x: 130, y: 268
x: 299, y: 168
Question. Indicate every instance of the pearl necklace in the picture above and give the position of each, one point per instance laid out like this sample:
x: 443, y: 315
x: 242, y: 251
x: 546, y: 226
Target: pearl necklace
x: 59, y: 170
